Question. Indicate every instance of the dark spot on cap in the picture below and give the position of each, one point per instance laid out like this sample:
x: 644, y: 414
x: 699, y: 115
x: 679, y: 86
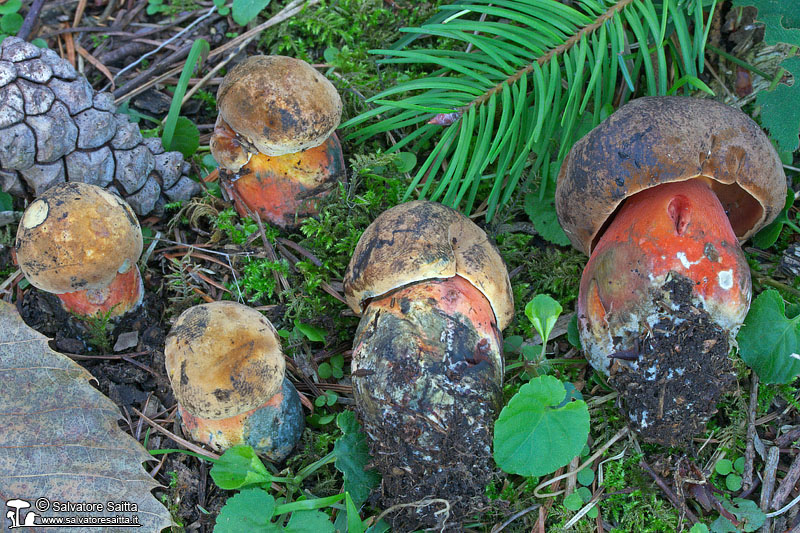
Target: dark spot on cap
x: 222, y: 395
x: 184, y: 377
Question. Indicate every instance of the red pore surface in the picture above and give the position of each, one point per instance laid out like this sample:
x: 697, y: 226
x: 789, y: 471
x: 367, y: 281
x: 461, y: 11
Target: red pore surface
x: 672, y: 229
x: 283, y: 189
x: 122, y: 295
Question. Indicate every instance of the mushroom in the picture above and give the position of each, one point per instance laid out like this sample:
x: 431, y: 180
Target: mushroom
x: 433, y: 294
x: 226, y: 368
x: 274, y: 138
x: 660, y: 194
x: 81, y: 243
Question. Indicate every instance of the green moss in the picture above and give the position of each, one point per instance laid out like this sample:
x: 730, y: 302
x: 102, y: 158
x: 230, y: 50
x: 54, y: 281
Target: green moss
x: 641, y: 510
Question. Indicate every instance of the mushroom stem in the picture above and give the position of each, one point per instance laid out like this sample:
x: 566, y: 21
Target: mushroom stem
x: 668, y: 263
x: 284, y: 189
x: 272, y: 429
x: 123, y: 294
x: 428, y: 371
x: 678, y: 228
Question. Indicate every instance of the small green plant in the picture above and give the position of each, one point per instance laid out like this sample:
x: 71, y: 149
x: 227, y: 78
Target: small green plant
x: 732, y: 472
x: 179, y: 132
x: 171, y: 502
x: 322, y: 416
x: 99, y: 327
x: 750, y: 517
x: 334, y: 367
x: 639, y: 510
x: 770, y: 234
x: 542, y: 428
x: 543, y: 311
x: 237, y: 232
x: 10, y: 19
x: 254, y: 508
x: 173, y: 7
x: 778, y: 113
x: 769, y: 341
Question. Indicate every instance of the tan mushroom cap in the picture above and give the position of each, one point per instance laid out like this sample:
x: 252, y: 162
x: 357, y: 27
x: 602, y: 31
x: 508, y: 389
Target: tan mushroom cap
x: 77, y: 236
x: 664, y: 139
x: 279, y: 104
x: 423, y: 240
x: 223, y: 359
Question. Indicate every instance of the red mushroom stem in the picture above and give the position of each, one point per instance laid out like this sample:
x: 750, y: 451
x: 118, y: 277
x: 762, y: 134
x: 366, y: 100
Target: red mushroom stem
x: 662, y: 296
x: 679, y: 228
x: 123, y: 294
x: 287, y: 187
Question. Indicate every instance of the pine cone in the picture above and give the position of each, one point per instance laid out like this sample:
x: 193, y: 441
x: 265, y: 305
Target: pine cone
x: 54, y: 128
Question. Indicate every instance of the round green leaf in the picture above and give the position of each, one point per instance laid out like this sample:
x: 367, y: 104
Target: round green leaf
x: 699, y: 528
x: 733, y: 482
x: 573, y: 502
x: 512, y: 343
x: 186, y: 138
x: 324, y: 371
x: 738, y: 465
x: 246, y: 10
x: 532, y: 437
x: 249, y: 510
x: 769, y: 342
x: 330, y: 398
x: 586, y: 476
x: 585, y: 494
x: 543, y: 311
x: 238, y: 467
x: 406, y: 161
x: 330, y: 54
x: 11, y: 6
x: 592, y: 513
x: 724, y: 467
x: 11, y: 23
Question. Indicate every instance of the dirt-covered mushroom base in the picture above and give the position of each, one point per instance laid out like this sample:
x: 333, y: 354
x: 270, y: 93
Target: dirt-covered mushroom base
x: 682, y: 370
x: 427, y: 374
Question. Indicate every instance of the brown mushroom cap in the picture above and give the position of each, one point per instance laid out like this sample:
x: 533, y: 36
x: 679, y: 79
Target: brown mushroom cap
x: 223, y: 359
x: 279, y: 104
x: 423, y: 240
x: 77, y: 236
x: 664, y: 139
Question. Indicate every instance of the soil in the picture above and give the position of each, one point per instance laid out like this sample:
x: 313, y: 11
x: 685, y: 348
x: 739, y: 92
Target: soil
x: 683, y: 370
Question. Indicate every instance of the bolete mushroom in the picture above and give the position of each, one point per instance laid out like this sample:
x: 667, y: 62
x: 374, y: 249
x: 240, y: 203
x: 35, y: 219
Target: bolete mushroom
x: 226, y: 368
x: 81, y: 243
x: 660, y: 194
x: 433, y: 294
x: 274, y: 137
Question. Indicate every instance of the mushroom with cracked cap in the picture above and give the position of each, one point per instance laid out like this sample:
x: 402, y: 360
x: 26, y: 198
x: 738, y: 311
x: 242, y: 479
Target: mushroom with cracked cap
x: 660, y: 194
x: 81, y: 243
x: 433, y: 294
x: 227, y: 371
x: 274, y: 137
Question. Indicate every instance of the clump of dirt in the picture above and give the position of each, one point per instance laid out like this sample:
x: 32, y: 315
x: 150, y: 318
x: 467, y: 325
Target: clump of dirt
x: 437, y: 486
x: 682, y: 371
x: 128, y: 376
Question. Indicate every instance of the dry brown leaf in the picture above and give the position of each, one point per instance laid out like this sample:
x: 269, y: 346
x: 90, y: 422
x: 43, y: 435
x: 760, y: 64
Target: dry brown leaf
x: 59, y: 438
